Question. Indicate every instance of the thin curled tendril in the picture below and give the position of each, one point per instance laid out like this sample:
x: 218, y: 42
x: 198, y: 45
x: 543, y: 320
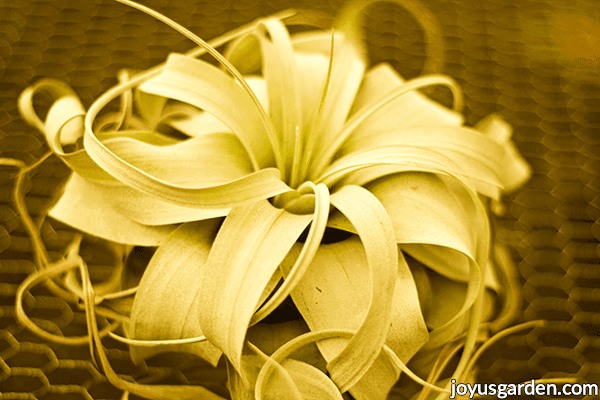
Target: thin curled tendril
x: 46, y: 269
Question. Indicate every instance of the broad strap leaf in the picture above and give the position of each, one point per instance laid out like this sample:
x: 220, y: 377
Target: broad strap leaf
x: 150, y: 210
x: 166, y: 304
x: 335, y: 294
x: 201, y: 161
x: 327, y: 153
x: 84, y: 205
x: 412, y: 109
x: 375, y: 230
x: 256, y: 186
x: 198, y: 83
x: 364, y: 166
x: 426, y: 209
x: 312, y: 72
x: 247, y: 251
x: 154, y: 392
x: 450, y: 263
x: 516, y: 171
x: 468, y: 148
x: 359, y: 168
x: 320, y: 205
x: 373, y: 320
x: 194, y: 122
x: 442, y: 298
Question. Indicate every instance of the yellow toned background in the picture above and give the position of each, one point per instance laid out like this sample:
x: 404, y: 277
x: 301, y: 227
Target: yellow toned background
x: 534, y: 62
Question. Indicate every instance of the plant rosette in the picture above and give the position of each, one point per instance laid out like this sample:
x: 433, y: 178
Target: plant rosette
x: 296, y: 169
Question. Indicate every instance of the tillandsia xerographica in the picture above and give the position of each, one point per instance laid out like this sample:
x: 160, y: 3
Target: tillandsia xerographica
x: 287, y: 141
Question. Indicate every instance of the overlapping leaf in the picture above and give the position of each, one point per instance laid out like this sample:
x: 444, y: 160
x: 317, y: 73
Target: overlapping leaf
x: 404, y: 176
x: 412, y: 109
x: 342, y: 278
x: 166, y: 304
x: 424, y: 211
x: 234, y: 279
x: 279, y: 71
x: 84, y: 206
x: 206, y: 87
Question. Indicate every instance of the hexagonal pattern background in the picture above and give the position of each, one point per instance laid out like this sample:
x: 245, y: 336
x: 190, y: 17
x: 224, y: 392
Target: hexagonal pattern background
x: 535, y: 62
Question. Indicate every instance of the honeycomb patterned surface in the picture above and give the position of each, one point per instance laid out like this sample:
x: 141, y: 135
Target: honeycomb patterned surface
x: 535, y: 62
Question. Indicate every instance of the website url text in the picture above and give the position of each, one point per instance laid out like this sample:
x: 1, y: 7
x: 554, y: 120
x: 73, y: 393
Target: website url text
x: 502, y: 390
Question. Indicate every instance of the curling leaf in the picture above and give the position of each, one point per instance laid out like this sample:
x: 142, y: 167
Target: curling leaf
x: 426, y: 209
x: 468, y: 148
x: 63, y: 125
x: 338, y: 279
x: 234, y: 279
x: 393, y: 159
x: 412, y: 109
x: 201, y: 161
x: 206, y: 87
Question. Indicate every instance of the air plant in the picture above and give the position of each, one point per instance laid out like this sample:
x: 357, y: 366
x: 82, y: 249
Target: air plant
x: 296, y: 169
